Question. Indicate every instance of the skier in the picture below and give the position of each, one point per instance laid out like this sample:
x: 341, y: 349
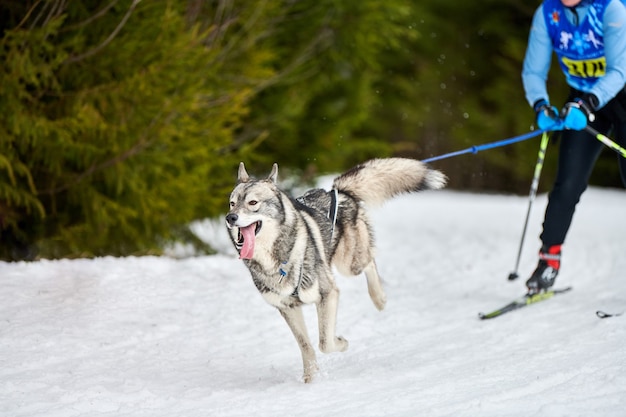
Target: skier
x: 589, y: 40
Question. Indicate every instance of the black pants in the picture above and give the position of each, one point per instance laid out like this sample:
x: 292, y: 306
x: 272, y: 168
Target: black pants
x: 578, y: 153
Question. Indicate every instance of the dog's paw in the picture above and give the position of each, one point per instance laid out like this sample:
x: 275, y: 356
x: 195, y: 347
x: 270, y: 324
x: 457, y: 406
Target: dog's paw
x: 309, y: 372
x: 375, y: 290
x: 339, y: 344
x: 379, y: 300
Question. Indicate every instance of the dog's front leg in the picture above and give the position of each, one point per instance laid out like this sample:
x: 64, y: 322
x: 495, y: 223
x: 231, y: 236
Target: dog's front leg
x: 327, y: 321
x: 294, y: 318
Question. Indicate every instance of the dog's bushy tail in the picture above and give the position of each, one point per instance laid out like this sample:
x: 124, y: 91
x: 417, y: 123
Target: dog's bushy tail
x: 378, y: 180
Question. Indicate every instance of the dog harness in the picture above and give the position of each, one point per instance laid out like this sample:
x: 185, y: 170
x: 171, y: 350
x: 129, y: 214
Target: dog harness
x: 332, y: 211
x: 332, y: 216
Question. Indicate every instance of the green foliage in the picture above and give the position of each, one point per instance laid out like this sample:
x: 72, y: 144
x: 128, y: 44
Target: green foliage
x: 329, y: 54
x: 456, y: 84
x: 121, y: 122
x: 111, y: 129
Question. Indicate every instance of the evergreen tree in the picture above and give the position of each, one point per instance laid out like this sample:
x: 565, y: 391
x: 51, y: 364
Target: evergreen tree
x: 328, y: 61
x: 122, y: 122
x: 458, y: 84
x: 115, y: 124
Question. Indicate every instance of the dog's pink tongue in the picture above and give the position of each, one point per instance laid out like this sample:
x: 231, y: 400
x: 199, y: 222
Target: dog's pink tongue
x: 248, y: 241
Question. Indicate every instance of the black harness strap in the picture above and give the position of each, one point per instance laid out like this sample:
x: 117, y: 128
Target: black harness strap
x: 332, y: 211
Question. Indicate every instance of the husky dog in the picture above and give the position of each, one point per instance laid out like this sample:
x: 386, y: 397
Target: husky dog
x: 290, y: 245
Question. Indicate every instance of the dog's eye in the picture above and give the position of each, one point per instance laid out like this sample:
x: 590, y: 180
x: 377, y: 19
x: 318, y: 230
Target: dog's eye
x: 232, y: 204
x: 253, y: 202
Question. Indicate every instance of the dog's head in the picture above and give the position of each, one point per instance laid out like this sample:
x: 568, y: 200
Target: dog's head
x: 253, y: 204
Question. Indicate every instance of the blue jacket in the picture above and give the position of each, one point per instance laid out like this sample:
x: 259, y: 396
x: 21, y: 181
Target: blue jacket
x: 593, y: 37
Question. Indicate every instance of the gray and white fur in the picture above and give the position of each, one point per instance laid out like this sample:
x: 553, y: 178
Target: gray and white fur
x: 289, y: 245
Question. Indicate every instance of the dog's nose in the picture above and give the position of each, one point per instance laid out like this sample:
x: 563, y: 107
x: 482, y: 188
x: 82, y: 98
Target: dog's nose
x: 231, y: 218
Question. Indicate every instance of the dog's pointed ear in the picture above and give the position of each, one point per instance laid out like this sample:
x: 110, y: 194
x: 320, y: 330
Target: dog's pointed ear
x: 274, y: 174
x: 242, y: 175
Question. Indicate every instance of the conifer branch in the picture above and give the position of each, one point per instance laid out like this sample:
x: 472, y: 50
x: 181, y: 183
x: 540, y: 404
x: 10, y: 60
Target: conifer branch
x: 109, y: 39
x: 57, y: 9
x: 96, y: 16
x: 28, y: 13
x: 135, y: 149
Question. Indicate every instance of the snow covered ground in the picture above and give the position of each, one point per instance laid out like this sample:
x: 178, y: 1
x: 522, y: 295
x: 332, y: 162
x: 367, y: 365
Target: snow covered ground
x: 158, y: 336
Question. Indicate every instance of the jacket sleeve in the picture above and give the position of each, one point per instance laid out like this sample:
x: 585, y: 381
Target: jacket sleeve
x: 614, y: 80
x: 537, y: 60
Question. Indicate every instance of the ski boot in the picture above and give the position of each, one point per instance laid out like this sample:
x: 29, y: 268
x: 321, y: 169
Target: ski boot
x: 548, y: 268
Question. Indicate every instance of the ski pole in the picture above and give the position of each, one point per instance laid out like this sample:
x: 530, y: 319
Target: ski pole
x: 533, y: 192
x: 608, y: 142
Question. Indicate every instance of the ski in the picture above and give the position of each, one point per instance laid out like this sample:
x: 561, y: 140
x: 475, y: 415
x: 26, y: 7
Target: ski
x: 524, y: 301
x: 603, y: 315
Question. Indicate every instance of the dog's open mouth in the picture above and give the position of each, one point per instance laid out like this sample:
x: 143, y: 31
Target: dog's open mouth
x: 246, y: 238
